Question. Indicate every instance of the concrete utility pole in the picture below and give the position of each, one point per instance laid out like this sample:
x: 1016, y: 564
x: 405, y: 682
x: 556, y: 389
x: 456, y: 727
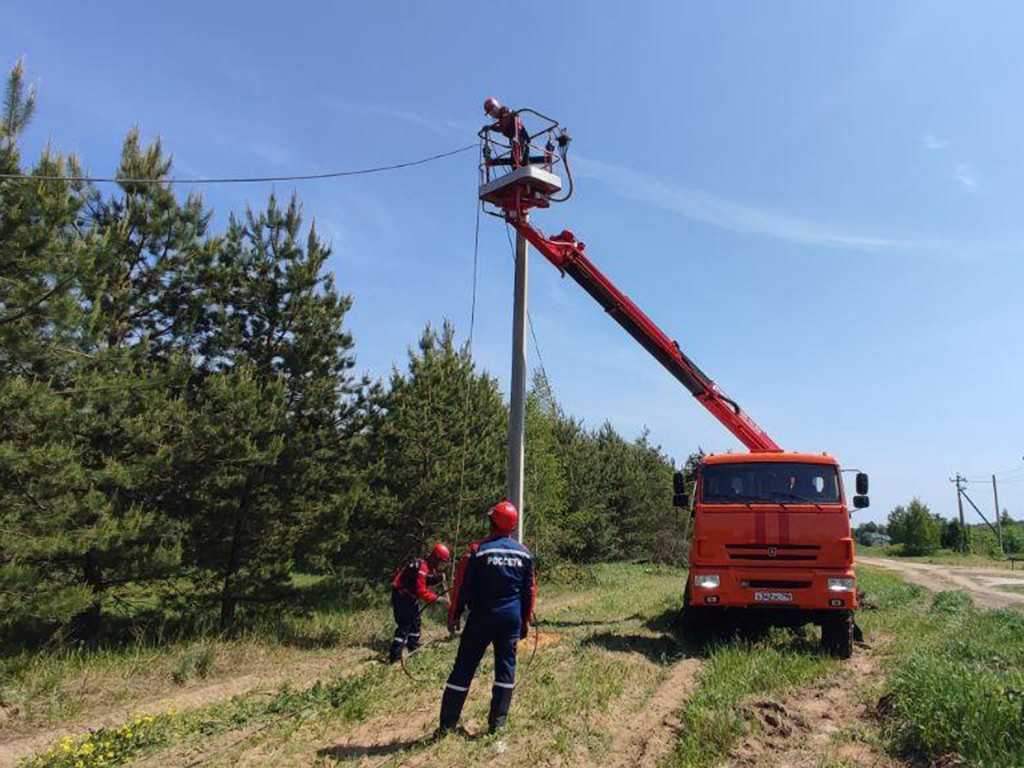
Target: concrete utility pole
x: 960, y: 506
x: 999, y: 522
x: 517, y: 409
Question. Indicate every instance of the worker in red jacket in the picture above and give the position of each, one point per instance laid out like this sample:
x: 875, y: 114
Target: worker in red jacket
x: 508, y: 124
x: 495, y: 580
x: 412, y: 583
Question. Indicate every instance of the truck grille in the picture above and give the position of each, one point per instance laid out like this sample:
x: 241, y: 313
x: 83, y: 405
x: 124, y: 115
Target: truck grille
x: 774, y: 584
x: 773, y: 552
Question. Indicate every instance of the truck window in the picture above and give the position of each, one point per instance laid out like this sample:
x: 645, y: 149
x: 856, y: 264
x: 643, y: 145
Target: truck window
x: 769, y: 482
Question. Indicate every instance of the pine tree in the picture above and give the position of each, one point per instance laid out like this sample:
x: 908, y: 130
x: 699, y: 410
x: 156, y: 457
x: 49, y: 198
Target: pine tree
x: 275, y: 329
x: 83, y: 454
x: 39, y: 255
x: 546, y: 492
x: 435, y: 451
x: 145, y: 253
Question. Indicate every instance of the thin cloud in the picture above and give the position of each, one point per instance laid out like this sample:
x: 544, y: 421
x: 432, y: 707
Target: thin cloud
x: 438, y: 125
x: 932, y: 142
x: 964, y: 173
x: 727, y: 214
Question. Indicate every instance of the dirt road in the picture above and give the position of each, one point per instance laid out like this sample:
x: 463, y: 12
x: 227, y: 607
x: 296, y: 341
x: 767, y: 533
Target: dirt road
x: 989, y: 588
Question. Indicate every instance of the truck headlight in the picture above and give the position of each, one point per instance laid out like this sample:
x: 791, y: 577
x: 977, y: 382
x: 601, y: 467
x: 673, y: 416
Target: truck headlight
x: 841, y: 585
x: 706, y: 580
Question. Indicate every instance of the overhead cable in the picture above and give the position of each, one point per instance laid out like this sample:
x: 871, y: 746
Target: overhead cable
x: 236, y: 179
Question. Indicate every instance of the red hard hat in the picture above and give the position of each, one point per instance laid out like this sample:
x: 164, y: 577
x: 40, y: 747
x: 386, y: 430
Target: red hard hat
x: 440, y: 553
x: 491, y: 106
x: 503, y: 516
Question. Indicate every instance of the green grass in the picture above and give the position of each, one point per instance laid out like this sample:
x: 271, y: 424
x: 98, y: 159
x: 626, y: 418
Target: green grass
x: 343, y: 699
x: 66, y: 681
x: 607, y: 648
x: 956, y: 684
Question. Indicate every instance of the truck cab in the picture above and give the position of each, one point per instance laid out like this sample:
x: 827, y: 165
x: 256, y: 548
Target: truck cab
x: 772, y: 544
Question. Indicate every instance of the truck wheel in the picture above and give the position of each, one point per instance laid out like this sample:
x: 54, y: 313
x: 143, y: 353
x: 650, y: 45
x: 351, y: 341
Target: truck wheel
x: 837, y: 634
x: 694, y: 622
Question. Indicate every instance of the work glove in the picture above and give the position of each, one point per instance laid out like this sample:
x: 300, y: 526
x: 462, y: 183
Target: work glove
x: 453, y: 627
x: 524, y: 632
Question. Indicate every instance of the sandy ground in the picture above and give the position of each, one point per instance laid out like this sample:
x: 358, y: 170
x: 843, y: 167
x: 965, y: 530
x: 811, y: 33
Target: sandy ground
x: 988, y: 588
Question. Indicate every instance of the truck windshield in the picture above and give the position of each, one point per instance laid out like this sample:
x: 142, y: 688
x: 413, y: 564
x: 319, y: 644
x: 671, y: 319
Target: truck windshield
x: 770, y: 483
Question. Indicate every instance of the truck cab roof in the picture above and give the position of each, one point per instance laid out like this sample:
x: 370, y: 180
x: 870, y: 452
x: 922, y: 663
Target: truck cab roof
x: 770, y: 456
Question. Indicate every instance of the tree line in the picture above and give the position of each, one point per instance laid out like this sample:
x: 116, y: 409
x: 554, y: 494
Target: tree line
x: 915, y: 530
x: 183, y: 426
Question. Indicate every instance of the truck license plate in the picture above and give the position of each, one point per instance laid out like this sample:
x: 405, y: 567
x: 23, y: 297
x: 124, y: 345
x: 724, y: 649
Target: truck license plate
x: 773, y: 597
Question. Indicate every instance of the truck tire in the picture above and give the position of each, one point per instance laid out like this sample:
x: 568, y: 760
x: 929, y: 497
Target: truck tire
x: 696, y: 624
x: 837, y: 634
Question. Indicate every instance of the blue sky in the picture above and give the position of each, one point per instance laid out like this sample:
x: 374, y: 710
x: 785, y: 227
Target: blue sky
x: 821, y: 202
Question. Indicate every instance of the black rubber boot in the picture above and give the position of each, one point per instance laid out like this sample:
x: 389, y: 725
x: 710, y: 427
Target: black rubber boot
x: 501, y: 702
x: 451, y: 709
x: 395, y: 652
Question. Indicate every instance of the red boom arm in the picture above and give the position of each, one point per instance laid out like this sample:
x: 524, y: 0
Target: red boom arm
x: 566, y: 253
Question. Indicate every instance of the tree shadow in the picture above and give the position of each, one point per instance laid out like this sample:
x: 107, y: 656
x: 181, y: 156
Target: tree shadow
x: 586, y: 623
x: 672, y: 643
x: 339, y: 752
x: 659, y: 649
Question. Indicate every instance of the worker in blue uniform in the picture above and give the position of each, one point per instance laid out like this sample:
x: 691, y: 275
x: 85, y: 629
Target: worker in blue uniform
x: 496, y: 582
x: 412, y: 583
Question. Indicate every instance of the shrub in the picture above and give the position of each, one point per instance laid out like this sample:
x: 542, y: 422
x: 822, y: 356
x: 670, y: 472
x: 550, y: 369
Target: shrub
x: 914, y: 527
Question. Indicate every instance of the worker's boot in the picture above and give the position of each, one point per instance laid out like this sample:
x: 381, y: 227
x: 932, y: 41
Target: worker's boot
x: 501, y: 702
x: 395, y: 651
x: 451, y: 709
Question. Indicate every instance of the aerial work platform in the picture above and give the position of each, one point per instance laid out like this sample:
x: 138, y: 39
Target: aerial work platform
x: 530, y: 181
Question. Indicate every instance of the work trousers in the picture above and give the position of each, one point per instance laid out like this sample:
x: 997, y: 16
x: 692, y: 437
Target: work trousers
x: 407, y: 624
x: 501, y: 630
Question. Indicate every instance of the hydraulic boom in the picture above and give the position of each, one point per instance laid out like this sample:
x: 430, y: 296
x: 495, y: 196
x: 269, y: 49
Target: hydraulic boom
x: 566, y: 253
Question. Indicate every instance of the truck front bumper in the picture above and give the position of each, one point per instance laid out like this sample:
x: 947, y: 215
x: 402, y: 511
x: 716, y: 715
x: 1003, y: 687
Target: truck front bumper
x: 774, y: 588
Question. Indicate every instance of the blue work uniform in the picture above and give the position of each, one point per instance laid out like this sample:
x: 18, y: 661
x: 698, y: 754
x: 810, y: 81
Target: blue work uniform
x: 495, y: 581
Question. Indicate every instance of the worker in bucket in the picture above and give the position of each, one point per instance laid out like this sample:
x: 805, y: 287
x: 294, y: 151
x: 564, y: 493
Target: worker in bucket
x: 412, y: 583
x: 508, y: 124
x: 495, y: 580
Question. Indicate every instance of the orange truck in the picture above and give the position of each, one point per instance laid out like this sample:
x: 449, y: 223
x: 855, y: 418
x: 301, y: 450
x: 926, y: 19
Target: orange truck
x: 771, y: 545
x: 771, y: 535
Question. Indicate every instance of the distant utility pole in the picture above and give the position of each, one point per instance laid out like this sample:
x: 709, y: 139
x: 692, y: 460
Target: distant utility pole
x: 960, y: 506
x: 962, y: 493
x: 999, y: 522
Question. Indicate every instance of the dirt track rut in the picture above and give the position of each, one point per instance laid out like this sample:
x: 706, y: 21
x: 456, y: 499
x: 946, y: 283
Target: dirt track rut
x: 643, y: 740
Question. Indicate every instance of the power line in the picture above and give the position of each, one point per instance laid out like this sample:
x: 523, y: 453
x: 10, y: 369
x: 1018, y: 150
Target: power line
x: 237, y: 179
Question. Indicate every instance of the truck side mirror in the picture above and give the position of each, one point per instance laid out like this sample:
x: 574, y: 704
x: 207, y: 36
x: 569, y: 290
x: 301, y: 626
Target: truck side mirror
x: 683, y: 500
x: 679, y: 483
x: 862, y: 484
x: 860, y: 502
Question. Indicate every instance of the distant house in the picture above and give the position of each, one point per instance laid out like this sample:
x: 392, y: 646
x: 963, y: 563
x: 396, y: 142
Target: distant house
x: 875, y: 539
